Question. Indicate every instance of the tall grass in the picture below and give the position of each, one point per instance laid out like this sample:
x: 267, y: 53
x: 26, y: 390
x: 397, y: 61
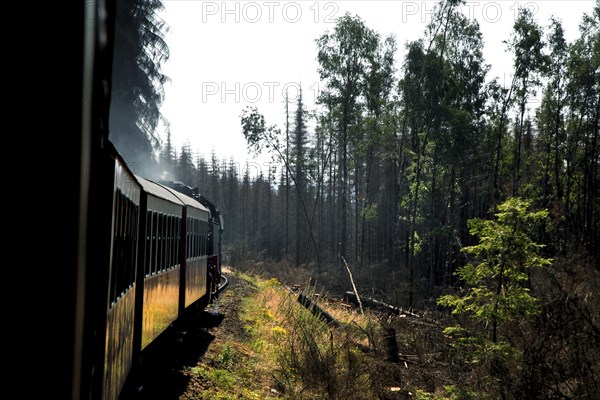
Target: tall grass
x: 318, y: 361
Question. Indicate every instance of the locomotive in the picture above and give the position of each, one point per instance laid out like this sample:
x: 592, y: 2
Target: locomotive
x: 133, y: 254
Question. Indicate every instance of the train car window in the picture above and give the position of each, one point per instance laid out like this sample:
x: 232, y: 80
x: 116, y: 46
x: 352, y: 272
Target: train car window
x: 173, y: 233
x: 122, y: 270
x: 130, y: 259
x: 171, y: 261
x: 177, y: 238
x: 165, y: 264
x: 156, y: 267
x: 201, y: 239
x: 190, y: 237
x: 193, y: 255
x: 115, y: 250
x: 165, y: 242
x: 174, y: 242
x: 154, y: 241
x: 176, y: 233
x: 169, y: 242
x: 137, y: 237
x: 161, y: 245
x: 159, y: 235
x: 135, y: 245
x: 118, y: 246
x: 127, y: 220
x: 201, y: 243
x: 129, y: 253
x: 161, y: 262
x: 194, y: 238
x: 167, y: 246
x: 148, y: 244
x: 187, y: 238
x: 168, y: 264
x: 173, y: 248
x: 197, y: 232
x: 200, y: 224
x: 205, y: 235
x: 131, y: 240
x: 193, y: 234
x: 190, y: 242
x: 128, y: 238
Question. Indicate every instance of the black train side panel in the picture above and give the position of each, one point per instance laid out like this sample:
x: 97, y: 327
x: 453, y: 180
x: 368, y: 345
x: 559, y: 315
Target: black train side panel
x: 160, y: 260
x: 76, y: 162
x: 194, y: 247
x: 113, y: 231
x: 120, y: 312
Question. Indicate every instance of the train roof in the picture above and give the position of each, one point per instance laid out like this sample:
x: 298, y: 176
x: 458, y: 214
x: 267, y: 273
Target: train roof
x: 180, y: 188
x: 158, y: 190
x: 187, y: 200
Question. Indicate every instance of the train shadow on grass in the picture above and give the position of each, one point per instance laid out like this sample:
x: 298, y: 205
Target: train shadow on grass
x: 164, y: 359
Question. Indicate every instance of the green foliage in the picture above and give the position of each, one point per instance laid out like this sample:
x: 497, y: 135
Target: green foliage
x: 200, y: 371
x: 497, y: 277
x: 221, y: 378
x: 317, y: 361
x: 416, y: 153
x: 370, y: 212
x: 139, y: 52
x: 451, y: 392
x: 227, y: 356
x: 254, y: 128
x: 472, y: 348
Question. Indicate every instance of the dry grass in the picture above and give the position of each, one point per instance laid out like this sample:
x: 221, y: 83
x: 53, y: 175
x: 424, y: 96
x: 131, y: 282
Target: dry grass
x: 553, y: 355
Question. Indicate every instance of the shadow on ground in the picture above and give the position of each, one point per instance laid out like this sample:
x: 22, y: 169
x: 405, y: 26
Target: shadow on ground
x: 164, y: 359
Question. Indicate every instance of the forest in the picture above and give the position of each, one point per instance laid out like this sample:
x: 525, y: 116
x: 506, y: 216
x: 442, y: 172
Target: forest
x: 403, y: 156
x: 439, y: 186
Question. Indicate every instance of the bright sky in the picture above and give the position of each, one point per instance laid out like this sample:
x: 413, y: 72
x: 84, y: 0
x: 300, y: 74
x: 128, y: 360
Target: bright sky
x: 229, y: 55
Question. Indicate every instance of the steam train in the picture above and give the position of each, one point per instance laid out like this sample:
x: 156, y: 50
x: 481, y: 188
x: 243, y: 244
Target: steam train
x: 160, y: 253
x: 123, y: 256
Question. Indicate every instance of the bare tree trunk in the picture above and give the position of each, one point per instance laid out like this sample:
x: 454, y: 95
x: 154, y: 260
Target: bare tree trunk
x: 287, y: 176
x: 496, y: 189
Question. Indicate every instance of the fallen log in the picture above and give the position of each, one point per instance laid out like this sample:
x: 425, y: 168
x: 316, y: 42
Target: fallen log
x: 378, y: 305
x: 316, y: 310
